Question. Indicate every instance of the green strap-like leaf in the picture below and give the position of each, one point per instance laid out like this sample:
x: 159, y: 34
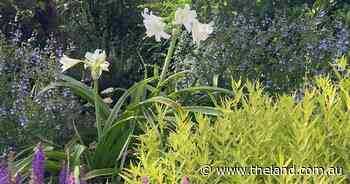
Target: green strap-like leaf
x: 112, y: 145
x: 77, y: 152
x: 52, y: 166
x: 115, y: 111
x: 79, y: 89
x: 56, y: 155
x: 23, y: 164
x: 163, y: 100
x: 175, y: 77
x: 201, y: 89
x: 100, y: 172
x: 204, y: 109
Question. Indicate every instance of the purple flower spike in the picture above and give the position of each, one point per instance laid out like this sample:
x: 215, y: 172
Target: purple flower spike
x: 18, y: 179
x: 82, y: 174
x: 145, y: 180
x: 82, y: 181
x: 38, y: 164
x: 4, y: 174
x: 185, y: 180
x: 71, y: 179
x: 63, y: 177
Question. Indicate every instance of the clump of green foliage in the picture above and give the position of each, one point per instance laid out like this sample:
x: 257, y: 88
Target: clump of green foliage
x: 253, y: 129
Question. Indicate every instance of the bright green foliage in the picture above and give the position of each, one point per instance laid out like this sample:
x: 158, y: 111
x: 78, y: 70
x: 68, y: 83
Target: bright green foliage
x: 253, y: 130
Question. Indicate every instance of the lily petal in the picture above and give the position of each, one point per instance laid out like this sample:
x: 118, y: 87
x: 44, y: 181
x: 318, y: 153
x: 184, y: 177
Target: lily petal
x: 185, y: 16
x: 68, y: 62
x: 154, y: 25
x: 200, y: 32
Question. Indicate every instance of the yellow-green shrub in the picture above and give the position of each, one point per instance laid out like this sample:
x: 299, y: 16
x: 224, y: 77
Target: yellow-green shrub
x: 253, y: 130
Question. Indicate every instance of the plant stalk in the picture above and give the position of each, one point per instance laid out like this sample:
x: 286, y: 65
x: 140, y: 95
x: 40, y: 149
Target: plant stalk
x: 169, y: 55
x: 97, y: 111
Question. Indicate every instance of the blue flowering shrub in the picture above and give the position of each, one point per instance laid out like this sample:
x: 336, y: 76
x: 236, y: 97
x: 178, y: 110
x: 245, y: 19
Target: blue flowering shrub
x: 282, y: 51
x: 253, y: 131
x: 25, y: 115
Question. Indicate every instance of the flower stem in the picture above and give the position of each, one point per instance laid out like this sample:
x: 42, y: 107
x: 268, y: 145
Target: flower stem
x: 97, y: 110
x: 169, y: 55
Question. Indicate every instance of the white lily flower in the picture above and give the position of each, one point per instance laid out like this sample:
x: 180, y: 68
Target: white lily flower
x: 154, y: 25
x: 105, y: 66
x: 185, y: 16
x: 68, y: 62
x: 98, y: 56
x: 108, y: 91
x: 201, y: 32
x: 97, y: 62
x: 108, y: 100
